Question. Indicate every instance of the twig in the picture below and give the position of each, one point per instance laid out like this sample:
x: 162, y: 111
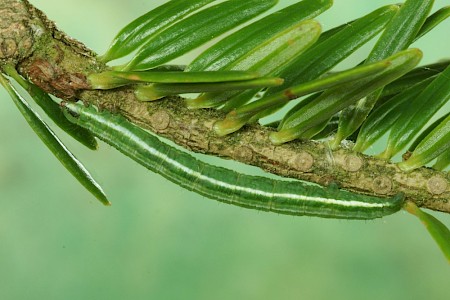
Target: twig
x: 59, y: 65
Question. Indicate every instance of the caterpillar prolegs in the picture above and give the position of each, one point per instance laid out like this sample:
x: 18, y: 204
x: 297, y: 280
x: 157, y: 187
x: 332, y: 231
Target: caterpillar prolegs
x: 280, y: 196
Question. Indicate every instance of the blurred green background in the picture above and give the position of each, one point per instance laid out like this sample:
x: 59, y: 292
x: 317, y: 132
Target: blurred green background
x: 159, y: 241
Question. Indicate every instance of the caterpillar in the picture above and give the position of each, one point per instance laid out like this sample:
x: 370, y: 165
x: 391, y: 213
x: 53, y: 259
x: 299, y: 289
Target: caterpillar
x: 280, y: 196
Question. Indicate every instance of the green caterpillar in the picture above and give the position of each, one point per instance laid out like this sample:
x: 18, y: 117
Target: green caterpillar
x: 284, y: 197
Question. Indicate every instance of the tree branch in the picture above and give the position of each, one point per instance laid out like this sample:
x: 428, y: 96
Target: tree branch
x: 59, y: 65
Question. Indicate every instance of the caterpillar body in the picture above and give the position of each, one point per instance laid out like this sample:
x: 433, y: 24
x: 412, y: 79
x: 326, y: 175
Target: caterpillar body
x: 280, y: 196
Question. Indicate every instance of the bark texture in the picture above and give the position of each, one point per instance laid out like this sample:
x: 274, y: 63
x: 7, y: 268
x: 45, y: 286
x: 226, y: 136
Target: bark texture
x: 59, y: 65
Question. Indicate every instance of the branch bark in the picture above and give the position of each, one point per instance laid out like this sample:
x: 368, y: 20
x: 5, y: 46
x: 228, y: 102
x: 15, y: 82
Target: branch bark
x: 59, y: 65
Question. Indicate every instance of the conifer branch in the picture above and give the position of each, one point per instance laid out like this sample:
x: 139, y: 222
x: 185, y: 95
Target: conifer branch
x: 60, y: 65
